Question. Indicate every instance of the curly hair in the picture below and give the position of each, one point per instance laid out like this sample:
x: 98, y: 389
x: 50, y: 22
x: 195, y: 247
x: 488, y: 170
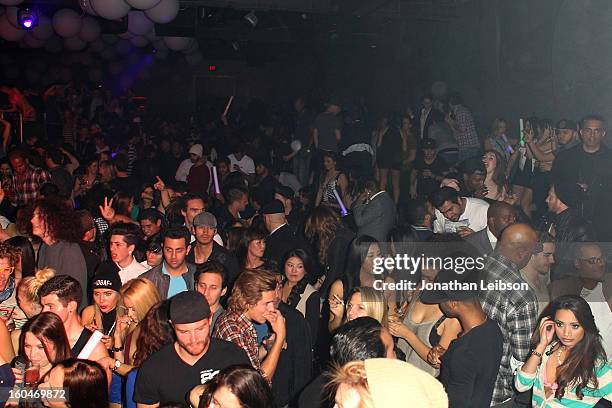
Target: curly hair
x: 59, y: 219
x: 321, y: 228
x: 155, y: 332
x: 9, y: 252
x: 249, y: 287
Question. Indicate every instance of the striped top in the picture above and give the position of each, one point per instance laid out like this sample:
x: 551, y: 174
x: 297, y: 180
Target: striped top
x: 524, y: 382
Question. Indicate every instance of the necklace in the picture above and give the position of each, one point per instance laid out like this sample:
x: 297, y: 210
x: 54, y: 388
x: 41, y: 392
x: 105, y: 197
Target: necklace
x: 561, y: 349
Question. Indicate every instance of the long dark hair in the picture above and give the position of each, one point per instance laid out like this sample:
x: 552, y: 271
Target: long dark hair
x: 28, y: 261
x: 358, y: 250
x: 499, y: 174
x: 49, y: 326
x: 298, y: 289
x: 581, y: 365
x: 155, y: 332
x: 86, y: 383
x: 245, y: 383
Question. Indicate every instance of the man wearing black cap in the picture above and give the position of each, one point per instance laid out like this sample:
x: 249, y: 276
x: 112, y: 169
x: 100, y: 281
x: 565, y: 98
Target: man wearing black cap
x: 194, y: 358
x: 470, y: 179
x: 205, y: 249
x: 281, y: 238
x: 469, y: 367
x: 428, y: 171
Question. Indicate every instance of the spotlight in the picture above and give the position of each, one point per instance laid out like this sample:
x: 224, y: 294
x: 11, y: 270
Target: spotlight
x: 252, y: 19
x: 27, y: 18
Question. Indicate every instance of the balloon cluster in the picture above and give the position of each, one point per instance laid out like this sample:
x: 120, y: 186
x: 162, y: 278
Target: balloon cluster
x: 71, y: 31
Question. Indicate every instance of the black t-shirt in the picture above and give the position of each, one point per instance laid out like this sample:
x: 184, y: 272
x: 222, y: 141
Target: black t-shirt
x: 427, y: 185
x: 470, y: 366
x: 164, y: 377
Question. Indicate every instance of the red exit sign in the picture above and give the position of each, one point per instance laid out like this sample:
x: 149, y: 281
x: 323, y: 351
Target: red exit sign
x: 212, y: 68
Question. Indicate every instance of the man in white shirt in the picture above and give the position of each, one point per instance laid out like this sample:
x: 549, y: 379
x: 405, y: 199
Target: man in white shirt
x: 195, y: 153
x: 455, y: 214
x: 241, y: 162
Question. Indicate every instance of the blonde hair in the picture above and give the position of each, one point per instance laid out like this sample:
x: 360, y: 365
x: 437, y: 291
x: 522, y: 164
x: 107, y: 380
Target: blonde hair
x: 249, y: 287
x: 353, y: 374
x: 142, y: 293
x: 31, y: 284
x: 374, y: 303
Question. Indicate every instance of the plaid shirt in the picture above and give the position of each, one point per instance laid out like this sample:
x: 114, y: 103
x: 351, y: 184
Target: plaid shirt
x: 27, y: 186
x: 466, y: 135
x: 516, y: 312
x: 238, y: 329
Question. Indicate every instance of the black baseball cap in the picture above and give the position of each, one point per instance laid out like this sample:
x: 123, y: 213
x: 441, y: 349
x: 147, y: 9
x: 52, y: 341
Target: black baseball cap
x: 566, y: 124
x: 285, y: 191
x: 428, y: 144
x: 188, y: 307
x: 473, y: 165
x: 273, y: 207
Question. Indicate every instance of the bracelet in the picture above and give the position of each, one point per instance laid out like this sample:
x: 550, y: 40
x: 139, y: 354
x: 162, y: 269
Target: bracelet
x: 115, y: 349
x: 535, y: 353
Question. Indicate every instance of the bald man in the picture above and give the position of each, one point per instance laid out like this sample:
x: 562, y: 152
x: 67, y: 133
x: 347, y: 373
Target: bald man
x: 514, y: 309
x: 499, y: 216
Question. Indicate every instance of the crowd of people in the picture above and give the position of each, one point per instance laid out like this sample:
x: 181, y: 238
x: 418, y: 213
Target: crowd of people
x: 242, y: 260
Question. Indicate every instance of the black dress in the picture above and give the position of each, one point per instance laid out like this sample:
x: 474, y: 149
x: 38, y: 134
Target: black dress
x: 389, y: 153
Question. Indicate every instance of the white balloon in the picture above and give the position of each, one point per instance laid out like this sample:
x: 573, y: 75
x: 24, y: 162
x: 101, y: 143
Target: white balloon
x: 143, y: 4
x: 32, y: 41
x: 11, y: 2
x: 8, y: 32
x: 110, y: 9
x: 178, y: 43
x: 164, y: 12
x: 74, y: 43
x: 123, y: 47
x: 87, y: 7
x: 54, y: 44
x: 110, y: 38
x: 138, y: 23
x: 139, y: 41
x: 44, y: 30
x: 90, y: 29
x: 194, y: 59
x: 67, y: 23
x: 97, y: 45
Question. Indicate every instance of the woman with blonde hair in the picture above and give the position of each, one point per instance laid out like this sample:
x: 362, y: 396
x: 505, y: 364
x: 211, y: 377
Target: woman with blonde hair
x: 366, y: 301
x: 27, y: 298
x: 139, y: 296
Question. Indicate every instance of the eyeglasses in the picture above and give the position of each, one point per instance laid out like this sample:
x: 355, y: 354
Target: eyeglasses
x: 589, y: 131
x: 594, y: 260
x: 8, y: 270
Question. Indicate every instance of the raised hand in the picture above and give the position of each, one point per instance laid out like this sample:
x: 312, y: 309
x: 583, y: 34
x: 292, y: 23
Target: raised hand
x: 159, y: 184
x: 107, y: 211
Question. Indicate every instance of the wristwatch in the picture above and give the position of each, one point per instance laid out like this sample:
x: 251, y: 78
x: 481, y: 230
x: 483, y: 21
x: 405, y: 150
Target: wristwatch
x: 116, y: 365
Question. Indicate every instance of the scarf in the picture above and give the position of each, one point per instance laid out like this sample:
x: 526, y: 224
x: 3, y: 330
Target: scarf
x: 6, y: 293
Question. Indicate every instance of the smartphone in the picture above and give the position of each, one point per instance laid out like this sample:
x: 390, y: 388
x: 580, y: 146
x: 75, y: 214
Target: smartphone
x: 521, y: 133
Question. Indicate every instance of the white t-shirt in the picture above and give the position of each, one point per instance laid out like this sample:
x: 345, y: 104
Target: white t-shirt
x: 474, y: 217
x: 602, y: 314
x: 246, y: 164
x: 132, y: 271
x: 183, y: 170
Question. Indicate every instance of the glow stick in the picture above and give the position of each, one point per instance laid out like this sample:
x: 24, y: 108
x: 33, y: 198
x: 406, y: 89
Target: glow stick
x: 227, y: 107
x: 93, y: 341
x: 216, y: 180
x: 521, y: 134
x: 343, y: 210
